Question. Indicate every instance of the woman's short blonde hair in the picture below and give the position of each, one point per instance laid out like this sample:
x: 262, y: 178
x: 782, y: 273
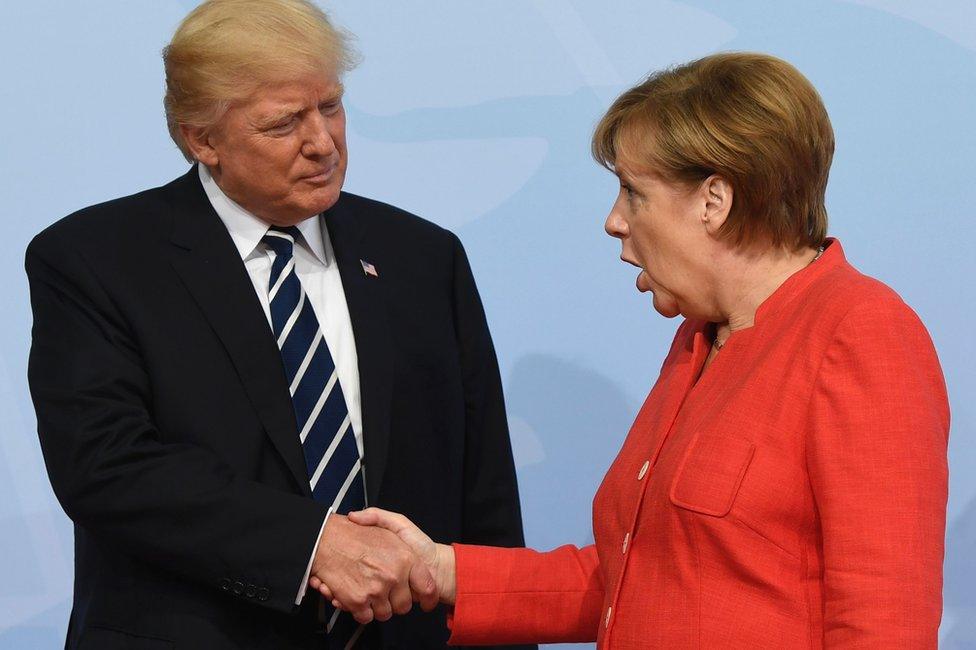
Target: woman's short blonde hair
x: 750, y: 118
x: 224, y: 50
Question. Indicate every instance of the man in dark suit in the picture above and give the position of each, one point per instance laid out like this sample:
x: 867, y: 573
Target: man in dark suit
x: 225, y: 365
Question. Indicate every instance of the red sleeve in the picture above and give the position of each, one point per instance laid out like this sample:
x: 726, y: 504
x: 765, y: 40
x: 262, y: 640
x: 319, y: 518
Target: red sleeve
x: 517, y: 595
x: 876, y: 453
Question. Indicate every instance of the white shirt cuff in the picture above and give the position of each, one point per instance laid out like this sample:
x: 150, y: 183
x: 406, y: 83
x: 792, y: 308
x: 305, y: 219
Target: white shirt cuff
x: 308, y: 569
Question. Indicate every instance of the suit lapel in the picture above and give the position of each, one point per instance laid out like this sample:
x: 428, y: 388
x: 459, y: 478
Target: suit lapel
x: 370, y: 324
x: 212, y: 270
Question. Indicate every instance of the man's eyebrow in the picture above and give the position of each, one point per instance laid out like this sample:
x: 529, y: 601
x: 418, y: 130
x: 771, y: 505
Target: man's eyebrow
x: 336, y: 94
x: 278, y: 115
x: 282, y: 113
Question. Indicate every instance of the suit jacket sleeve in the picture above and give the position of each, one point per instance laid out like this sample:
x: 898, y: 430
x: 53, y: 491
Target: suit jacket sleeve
x: 877, y: 461
x: 492, y: 515
x: 520, y: 596
x: 171, y: 504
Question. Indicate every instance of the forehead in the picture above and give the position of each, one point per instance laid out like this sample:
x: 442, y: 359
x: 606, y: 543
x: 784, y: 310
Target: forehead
x: 633, y: 149
x: 626, y: 167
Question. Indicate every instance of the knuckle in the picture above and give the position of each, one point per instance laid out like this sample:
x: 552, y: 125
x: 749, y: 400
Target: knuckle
x: 378, y: 587
x: 357, y: 601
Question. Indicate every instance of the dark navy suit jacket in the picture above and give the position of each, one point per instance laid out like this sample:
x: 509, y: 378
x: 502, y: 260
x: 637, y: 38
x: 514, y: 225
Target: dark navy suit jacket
x: 170, y: 438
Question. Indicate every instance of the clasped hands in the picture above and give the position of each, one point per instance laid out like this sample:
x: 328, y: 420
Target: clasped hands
x: 374, y: 564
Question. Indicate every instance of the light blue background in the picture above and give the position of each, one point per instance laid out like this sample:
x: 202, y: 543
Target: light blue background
x: 477, y: 115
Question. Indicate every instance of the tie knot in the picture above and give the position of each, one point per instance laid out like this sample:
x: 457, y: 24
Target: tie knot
x: 282, y: 240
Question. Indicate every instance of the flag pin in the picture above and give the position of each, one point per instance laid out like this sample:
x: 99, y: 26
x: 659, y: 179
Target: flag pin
x: 369, y: 269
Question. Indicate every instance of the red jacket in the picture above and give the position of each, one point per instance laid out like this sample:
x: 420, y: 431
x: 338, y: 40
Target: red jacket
x: 793, y: 497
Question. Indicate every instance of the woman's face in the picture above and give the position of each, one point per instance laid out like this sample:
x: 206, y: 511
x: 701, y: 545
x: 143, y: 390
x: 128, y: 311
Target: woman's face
x: 662, y: 229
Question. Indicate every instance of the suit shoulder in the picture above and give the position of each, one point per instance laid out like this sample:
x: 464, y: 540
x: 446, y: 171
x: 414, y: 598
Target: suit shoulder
x: 391, y: 218
x: 846, y: 298
x: 125, y: 217
x: 852, y: 290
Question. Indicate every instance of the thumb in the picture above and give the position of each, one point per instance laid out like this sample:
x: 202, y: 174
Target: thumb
x: 391, y: 521
x: 406, y: 530
x: 367, y: 517
x: 423, y: 587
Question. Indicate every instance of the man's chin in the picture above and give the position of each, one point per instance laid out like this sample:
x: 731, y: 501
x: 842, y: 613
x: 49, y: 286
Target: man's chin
x: 321, y: 200
x: 295, y: 213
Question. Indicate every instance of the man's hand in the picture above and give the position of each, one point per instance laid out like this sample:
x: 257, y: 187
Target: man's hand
x: 369, y: 571
x: 439, y: 558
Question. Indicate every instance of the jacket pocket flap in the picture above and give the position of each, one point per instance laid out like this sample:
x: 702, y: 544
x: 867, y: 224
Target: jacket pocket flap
x: 710, y: 474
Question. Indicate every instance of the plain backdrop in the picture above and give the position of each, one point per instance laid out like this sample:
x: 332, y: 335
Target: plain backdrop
x: 477, y: 115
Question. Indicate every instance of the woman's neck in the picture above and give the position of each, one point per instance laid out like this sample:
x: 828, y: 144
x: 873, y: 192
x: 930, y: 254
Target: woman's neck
x: 745, y: 280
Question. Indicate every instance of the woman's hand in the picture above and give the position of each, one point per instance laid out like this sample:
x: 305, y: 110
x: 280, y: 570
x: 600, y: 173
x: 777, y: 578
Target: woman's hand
x: 439, y: 558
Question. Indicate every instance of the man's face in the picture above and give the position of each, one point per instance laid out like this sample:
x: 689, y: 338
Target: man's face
x: 281, y: 153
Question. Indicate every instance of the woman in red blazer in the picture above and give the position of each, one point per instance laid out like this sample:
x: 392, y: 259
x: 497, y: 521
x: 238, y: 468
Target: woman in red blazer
x: 785, y: 482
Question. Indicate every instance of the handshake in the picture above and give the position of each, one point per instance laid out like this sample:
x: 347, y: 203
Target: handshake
x: 375, y: 564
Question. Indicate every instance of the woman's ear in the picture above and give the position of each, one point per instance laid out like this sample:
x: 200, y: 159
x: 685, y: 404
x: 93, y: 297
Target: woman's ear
x: 717, y: 194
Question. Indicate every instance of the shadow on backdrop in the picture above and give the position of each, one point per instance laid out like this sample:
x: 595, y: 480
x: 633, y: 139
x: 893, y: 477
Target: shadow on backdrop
x: 568, y: 422
x: 960, y: 572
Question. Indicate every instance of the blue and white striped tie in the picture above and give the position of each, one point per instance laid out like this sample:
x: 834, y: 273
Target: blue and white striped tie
x: 331, y: 454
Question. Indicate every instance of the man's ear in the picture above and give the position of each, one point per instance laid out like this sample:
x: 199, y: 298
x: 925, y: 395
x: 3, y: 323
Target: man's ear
x: 717, y: 194
x: 197, y: 140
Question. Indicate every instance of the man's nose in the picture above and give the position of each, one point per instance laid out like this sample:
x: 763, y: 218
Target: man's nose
x: 318, y: 140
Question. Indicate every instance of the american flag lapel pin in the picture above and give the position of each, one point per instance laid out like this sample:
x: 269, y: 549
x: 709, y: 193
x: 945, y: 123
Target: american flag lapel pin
x: 369, y: 269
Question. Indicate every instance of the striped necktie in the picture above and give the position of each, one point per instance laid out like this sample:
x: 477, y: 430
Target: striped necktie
x: 332, y: 458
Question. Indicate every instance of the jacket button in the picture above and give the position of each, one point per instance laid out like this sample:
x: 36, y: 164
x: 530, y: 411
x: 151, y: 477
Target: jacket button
x: 626, y: 541
x: 263, y: 594
x: 607, y: 622
x: 225, y: 584
x: 250, y: 591
x: 238, y: 587
x: 643, y: 470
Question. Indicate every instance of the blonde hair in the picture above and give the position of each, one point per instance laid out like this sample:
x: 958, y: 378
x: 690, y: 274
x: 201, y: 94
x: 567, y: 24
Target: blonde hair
x: 751, y: 118
x: 225, y: 49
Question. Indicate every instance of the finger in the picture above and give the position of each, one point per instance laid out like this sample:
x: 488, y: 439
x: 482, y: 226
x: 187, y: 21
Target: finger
x: 401, y: 599
x: 363, y: 616
x: 316, y: 583
x: 423, y: 587
x: 382, y: 609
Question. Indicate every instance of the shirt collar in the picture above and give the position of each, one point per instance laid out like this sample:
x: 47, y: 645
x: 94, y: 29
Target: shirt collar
x: 247, y: 230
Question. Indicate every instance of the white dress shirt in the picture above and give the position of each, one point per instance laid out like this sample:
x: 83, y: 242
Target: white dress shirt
x: 316, y: 267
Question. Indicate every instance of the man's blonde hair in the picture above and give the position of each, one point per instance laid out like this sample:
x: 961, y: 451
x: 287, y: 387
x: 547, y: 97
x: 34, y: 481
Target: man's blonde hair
x: 751, y: 118
x: 224, y: 50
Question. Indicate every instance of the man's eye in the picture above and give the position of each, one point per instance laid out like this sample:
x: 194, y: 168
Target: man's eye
x: 282, y: 127
x: 330, y: 108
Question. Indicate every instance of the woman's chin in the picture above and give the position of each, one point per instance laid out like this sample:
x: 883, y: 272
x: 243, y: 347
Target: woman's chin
x: 666, y: 305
